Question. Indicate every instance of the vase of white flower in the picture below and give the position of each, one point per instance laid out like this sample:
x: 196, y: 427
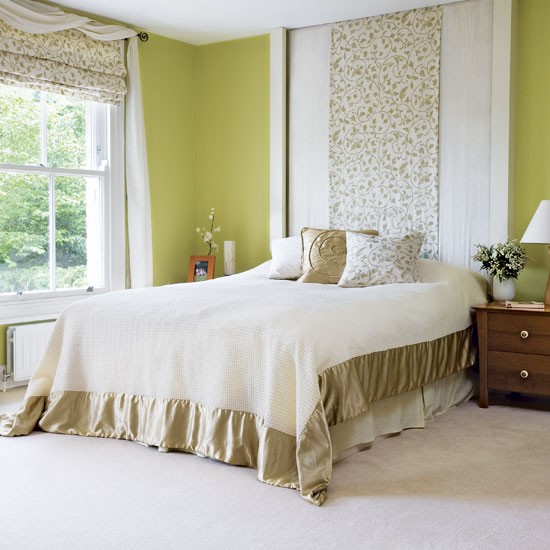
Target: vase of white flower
x: 503, y: 290
x: 208, y: 235
x: 504, y: 261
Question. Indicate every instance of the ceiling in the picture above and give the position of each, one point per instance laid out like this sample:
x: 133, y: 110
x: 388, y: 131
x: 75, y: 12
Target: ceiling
x: 204, y: 21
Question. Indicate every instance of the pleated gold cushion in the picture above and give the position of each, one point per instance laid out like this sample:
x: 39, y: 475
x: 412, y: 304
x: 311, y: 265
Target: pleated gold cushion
x: 324, y: 254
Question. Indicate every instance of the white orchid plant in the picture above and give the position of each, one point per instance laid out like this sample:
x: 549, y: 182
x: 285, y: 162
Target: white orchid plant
x: 208, y: 235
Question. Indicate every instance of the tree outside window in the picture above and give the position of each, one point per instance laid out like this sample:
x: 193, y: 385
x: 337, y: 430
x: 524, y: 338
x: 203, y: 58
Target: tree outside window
x: 50, y: 194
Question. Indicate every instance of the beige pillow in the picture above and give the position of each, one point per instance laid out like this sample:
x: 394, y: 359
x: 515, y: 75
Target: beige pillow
x: 381, y: 260
x: 324, y: 254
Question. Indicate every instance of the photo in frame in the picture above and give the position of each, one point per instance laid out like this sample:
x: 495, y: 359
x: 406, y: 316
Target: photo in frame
x: 201, y: 268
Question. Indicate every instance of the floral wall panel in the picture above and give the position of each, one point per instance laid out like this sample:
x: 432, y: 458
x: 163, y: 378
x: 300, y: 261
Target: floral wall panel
x: 383, y: 124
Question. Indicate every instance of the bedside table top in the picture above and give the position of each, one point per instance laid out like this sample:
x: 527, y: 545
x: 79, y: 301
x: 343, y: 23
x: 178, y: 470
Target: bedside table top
x: 500, y: 306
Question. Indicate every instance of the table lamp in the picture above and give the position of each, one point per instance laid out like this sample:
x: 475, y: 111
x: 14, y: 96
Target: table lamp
x: 538, y: 231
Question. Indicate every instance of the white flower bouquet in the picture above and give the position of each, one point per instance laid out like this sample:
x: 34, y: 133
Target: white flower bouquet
x: 502, y: 260
x: 208, y: 235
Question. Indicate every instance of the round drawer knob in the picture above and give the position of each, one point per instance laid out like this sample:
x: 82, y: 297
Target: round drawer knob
x: 524, y: 374
x: 524, y: 334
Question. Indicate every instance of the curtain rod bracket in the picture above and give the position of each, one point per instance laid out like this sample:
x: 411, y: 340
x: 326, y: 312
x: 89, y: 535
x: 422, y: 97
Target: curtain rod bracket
x: 143, y: 36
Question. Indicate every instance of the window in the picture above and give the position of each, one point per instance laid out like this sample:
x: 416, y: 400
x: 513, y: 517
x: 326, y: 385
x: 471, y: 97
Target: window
x: 55, y: 237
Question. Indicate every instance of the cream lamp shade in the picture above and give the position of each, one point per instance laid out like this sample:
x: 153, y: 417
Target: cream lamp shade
x: 538, y: 231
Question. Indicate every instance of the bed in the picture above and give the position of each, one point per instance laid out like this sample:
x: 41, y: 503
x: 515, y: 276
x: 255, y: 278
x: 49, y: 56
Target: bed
x: 272, y: 374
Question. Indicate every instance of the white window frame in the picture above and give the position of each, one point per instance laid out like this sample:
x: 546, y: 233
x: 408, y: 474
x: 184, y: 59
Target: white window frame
x: 47, y: 305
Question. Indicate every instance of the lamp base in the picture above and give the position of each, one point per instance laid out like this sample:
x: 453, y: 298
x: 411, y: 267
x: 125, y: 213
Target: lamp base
x: 547, y: 293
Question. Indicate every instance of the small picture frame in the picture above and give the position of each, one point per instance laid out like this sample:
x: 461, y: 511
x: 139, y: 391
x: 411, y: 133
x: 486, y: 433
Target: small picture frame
x: 201, y: 268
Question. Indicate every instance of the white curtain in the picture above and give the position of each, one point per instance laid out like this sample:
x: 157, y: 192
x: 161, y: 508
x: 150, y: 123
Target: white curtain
x: 137, y: 179
x: 465, y: 128
x: 37, y: 18
x: 308, y: 136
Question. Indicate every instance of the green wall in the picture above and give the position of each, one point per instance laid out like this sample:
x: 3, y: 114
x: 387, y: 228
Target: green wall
x: 233, y: 146
x: 207, y: 121
x: 206, y: 115
x: 168, y: 76
x: 532, y: 175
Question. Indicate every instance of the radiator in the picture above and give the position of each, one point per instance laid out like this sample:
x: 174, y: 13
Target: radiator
x: 26, y: 344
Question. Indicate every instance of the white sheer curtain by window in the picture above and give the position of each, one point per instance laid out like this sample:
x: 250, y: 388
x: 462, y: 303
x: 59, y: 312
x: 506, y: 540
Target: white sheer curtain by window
x: 40, y: 19
x: 465, y: 128
x: 137, y: 179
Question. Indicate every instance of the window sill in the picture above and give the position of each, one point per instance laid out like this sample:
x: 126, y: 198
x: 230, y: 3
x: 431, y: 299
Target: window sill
x: 41, y: 309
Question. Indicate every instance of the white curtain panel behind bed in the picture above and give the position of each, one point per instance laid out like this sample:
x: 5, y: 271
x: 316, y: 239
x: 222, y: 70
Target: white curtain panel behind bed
x: 464, y: 118
x: 465, y: 129
x: 308, y: 135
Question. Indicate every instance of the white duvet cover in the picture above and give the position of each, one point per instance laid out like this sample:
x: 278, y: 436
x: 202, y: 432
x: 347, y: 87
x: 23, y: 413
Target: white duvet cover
x: 246, y: 343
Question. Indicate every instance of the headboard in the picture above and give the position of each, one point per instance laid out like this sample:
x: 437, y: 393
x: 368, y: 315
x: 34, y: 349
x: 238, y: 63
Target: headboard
x: 468, y: 109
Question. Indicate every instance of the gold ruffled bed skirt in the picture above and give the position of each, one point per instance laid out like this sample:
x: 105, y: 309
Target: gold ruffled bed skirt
x: 241, y: 438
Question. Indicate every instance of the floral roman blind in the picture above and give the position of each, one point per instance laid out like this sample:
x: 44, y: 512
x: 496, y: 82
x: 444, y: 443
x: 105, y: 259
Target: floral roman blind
x: 66, y: 61
x: 383, y: 124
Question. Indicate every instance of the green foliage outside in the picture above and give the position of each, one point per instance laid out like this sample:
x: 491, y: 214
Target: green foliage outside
x: 24, y: 197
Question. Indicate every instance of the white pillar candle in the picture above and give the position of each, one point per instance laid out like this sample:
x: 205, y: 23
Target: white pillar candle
x: 229, y: 257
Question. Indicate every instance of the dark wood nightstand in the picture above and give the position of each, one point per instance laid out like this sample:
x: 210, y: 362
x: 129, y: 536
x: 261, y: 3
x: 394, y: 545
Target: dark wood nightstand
x: 514, y: 350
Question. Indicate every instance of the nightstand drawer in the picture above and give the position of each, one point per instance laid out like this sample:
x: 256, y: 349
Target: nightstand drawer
x: 529, y: 333
x: 519, y: 373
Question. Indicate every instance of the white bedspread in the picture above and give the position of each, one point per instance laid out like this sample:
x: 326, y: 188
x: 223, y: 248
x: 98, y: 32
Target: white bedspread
x: 246, y: 342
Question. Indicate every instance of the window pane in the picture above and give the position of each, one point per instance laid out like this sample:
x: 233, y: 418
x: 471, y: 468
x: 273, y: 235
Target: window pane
x: 43, y: 249
x: 66, y: 132
x: 24, y: 232
x: 19, y: 125
x: 78, y: 233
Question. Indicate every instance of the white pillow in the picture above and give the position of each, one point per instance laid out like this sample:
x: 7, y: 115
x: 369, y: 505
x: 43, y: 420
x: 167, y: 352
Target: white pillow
x: 287, y: 258
x: 375, y: 260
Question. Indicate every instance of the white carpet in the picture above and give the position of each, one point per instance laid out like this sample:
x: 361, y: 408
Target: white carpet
x: 473, y: 479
